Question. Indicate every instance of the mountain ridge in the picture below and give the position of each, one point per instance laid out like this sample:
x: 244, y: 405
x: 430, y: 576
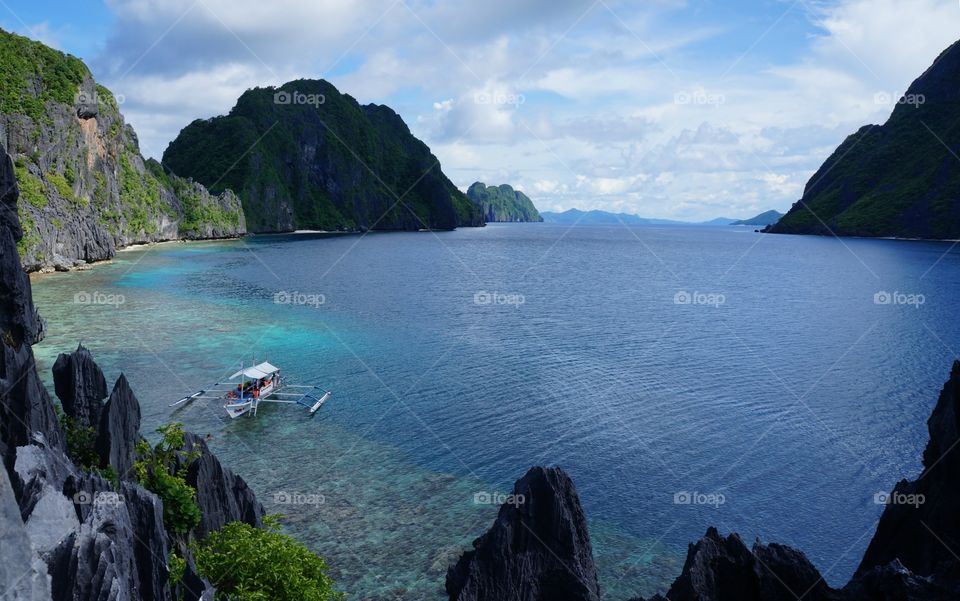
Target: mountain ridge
x: 306, y: 156
x: 766, y: 218
x: 599, y: 217
x: 900, y: 179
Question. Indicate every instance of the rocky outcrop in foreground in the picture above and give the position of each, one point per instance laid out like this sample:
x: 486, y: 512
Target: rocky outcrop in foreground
x: 910, y: 558
x: 223, y: 496
x: 538, y: 548
x: 725, y: 568
x: 66, y: 532
x: 80, y: 385
x: 25, y: 406
x: 23, y: 576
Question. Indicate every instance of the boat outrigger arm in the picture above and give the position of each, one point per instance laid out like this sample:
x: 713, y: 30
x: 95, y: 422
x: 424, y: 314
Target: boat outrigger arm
x: 245, y: 390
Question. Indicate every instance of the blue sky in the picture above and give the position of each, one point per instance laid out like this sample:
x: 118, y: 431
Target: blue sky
x: 665, y: 108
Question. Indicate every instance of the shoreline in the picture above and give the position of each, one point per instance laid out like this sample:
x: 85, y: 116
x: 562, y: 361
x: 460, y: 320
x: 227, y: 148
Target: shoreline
x: 45, y: 271
x: 48, y: 271
x: 139, y: 245
x: 841, y: 237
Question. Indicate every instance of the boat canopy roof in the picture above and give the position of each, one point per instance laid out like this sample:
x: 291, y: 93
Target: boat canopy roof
x: 261, y: 370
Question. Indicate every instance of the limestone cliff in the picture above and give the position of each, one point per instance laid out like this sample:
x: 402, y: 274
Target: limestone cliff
x: 85, y: 189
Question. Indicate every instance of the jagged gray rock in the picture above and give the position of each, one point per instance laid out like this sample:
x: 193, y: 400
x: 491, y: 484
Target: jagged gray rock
x: 38, y: 464
x: 52, y: 519
x: 119, y: 429
x: 96, y: 562
x: 718, y: 569
x: 80, y: 386
x: 25, y: 406
x: 86, y: 104
x: 23, y: 576
x: 120, y: 547
x: 151, y: 547
x: 908, y: 559
x: 894, y: 582
x: 222, y: 495
x: 538, y: 549
x: 909, y: 531
x: 192, y: 586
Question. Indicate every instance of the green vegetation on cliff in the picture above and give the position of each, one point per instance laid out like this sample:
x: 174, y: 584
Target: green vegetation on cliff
x: 86, y: 189
x: 197, y: 213
x: 307, y: 156
x: 161, y: 471
x: 502, y: 203
x: 32, y: 73
x: 140, y: 196
x: 898, y: 179
x: 82, y: 445
x: 32, y: 189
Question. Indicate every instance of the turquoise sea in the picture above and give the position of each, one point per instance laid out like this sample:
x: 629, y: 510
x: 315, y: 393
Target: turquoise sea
x: 684, y: 377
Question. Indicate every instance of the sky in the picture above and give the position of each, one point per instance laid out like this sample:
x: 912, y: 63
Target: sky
x: 664, y: 108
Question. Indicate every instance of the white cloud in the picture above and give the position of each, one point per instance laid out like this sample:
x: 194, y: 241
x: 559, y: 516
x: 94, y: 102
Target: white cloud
x: 627, y: 110
x: 886, y: 42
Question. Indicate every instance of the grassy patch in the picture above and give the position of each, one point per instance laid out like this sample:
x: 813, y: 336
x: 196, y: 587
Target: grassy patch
x: 31, y: 188
x: 65, y: 190
x: 31, y: 237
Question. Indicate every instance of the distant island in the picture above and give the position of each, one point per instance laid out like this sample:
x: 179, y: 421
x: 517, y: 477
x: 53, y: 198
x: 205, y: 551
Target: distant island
x: 597, y: 217
x: 502, y: 203
x: 765, y: 218
x: 900, y: 179
x: 306, y: 156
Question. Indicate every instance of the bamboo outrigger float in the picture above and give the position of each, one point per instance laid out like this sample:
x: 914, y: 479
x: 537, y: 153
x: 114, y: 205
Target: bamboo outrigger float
x: 245, y: 390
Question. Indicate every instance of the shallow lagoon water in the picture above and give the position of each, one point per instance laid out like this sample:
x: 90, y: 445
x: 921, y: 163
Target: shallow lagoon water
x: 459, y: 359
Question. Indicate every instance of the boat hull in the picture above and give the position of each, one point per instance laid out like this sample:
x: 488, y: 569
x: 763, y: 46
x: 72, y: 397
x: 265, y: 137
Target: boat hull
x: 235, y: 410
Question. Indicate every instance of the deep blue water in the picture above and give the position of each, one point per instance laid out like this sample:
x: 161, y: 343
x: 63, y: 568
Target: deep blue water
x: 790, y: 394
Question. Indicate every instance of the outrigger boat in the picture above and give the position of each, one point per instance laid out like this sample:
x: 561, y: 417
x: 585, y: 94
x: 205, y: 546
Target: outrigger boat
x: 245, y: 390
